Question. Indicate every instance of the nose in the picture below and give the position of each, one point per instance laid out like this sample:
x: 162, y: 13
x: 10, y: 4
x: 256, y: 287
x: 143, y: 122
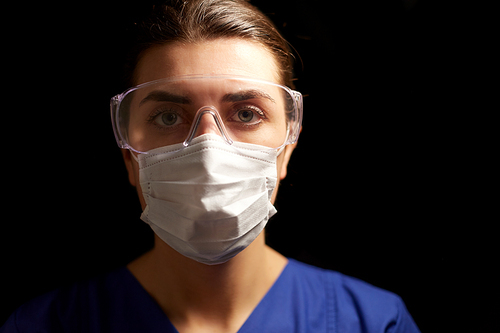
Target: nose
x: 207, y: 123
x: 207, y: 120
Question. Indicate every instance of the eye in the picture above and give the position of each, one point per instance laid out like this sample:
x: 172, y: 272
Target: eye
x: 248, y: 115
x: 245, y: 115
x: 167, y: 118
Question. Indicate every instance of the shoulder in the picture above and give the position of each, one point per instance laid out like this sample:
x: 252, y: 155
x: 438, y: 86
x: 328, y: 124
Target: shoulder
x: 354, y: 305
x: 38, y: 314
x: 67, y: 309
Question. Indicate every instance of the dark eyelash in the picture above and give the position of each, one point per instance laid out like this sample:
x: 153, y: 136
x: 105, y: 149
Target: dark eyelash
x: 255, y: 109
x: 158, y: 111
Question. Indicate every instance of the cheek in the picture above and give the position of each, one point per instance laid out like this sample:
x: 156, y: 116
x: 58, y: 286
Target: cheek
x: 141, y: 197
x: 279, y: 165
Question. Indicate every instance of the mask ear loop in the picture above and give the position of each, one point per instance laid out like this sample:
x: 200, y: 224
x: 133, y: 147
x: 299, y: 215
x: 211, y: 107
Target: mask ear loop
x: 280, y: 150
x: 133, y: 156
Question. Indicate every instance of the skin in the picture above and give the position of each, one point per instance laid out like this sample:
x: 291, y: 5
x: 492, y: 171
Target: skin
x: 194, y: 296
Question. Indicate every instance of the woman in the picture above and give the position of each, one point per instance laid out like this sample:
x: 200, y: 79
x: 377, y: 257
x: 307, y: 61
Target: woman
x: 206, y: 132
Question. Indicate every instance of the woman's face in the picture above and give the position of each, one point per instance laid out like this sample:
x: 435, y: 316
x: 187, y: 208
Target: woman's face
x: 220, y: 56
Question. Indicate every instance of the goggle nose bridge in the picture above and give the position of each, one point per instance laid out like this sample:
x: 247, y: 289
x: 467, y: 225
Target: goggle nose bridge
x: 218, y: 121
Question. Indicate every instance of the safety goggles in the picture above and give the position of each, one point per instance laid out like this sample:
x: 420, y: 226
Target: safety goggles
x: 175, y: 110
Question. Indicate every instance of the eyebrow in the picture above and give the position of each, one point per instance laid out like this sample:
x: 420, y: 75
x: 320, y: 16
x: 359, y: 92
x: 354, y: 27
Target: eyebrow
x: 246, y: 95
x: 163, y: 96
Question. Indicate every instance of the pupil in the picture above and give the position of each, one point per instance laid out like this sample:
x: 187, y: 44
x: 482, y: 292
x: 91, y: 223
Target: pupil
x: 245, y: 115
x: 169, y: 118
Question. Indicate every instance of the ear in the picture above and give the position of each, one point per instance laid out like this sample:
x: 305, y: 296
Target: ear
x: 131, y: 165
x: 287, y: 152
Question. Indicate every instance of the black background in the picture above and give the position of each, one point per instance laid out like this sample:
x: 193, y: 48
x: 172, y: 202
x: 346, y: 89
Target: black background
x: 386, y: 184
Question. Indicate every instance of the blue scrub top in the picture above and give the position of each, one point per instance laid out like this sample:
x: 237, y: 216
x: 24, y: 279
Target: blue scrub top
x: 303, y: 299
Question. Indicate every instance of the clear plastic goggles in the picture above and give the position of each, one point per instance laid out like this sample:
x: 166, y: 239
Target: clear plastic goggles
x: 175, y: 110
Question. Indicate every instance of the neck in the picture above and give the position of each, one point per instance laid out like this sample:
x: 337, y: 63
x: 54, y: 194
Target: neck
x: 220, y: 296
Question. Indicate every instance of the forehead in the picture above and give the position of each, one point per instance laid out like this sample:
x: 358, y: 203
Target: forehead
x: 220, y: 56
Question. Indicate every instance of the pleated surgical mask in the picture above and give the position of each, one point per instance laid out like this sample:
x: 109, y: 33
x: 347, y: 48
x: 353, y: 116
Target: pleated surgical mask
x: 209, y: 200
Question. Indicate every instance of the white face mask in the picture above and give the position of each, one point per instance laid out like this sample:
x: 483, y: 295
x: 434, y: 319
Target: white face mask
x: 210, y: 200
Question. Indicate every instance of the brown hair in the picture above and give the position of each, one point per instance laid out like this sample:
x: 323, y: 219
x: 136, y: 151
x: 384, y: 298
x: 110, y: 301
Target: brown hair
x: 192, y: 21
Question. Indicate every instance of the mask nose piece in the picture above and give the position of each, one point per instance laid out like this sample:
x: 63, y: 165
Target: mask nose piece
x: 207, y: 110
